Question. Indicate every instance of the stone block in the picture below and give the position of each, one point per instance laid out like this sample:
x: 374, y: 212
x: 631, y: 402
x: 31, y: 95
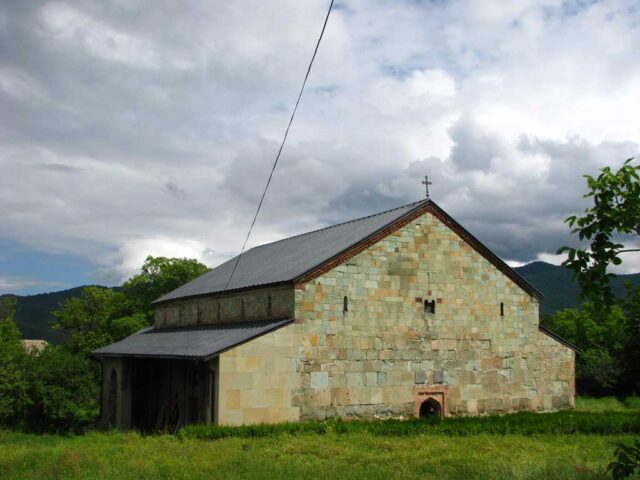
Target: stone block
x: 232, y: 399
x: 319, y: 379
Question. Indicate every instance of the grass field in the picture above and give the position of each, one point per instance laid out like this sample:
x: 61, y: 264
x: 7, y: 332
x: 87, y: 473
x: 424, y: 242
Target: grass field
x: 353, y: 454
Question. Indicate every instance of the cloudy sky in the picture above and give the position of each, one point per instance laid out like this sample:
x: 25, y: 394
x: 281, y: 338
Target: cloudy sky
x: 137, y: 128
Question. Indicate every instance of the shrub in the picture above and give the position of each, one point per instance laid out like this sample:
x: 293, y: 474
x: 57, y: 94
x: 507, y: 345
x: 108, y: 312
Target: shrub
x: 63, y: 392
x: 14, y: 396
x: 627, y: 460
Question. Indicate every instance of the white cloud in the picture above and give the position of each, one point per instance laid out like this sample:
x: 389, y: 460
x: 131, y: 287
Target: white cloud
x: 141, y: 128
x: 12, y: 284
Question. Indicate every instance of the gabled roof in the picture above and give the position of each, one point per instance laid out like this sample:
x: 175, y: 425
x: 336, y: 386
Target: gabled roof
x: 303, y: 257
x: 287, y: 259
x: 192, y: 343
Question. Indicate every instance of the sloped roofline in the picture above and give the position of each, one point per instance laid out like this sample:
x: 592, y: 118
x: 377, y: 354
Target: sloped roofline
x: 428, y: 206
x: 420, y: 208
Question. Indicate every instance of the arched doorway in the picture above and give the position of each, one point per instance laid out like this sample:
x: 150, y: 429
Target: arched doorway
x: 112, y: 404
x: 430, y: 408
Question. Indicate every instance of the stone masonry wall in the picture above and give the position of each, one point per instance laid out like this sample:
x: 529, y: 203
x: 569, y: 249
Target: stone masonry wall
x: 385, y: 354
x: 272, y: 303
x: 256, y: 380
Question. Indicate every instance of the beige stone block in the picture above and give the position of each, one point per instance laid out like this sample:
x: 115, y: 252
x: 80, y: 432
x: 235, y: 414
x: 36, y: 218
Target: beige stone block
x: 253, y: 416
x: 232, y: 399
x: 231, y: 417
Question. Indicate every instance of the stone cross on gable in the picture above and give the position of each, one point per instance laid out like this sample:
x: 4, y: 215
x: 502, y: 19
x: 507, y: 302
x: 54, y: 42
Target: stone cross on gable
x: 426, y: 184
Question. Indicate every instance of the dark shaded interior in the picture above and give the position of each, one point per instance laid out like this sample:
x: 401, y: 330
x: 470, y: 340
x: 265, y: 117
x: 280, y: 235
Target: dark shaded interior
x: 430, y: 408
x: 168, y: 394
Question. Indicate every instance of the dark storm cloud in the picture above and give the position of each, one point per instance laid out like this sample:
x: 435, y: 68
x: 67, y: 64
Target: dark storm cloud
x: 150, y: 127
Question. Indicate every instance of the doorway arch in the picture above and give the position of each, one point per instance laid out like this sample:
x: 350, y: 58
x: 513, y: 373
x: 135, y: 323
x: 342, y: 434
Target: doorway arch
x: 430, y: 408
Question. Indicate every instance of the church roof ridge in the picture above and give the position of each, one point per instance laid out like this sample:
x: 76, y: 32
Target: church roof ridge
x: 366, y: 217
x: 300, y: 258
x: 289, y: 258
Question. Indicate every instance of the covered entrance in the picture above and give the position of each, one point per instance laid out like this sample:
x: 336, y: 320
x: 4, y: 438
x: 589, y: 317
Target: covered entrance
x: 161, y: 379
x: 168, y: 394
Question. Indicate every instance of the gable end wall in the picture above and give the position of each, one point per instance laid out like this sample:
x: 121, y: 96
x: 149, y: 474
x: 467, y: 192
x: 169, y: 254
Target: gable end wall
x: 385, y: 351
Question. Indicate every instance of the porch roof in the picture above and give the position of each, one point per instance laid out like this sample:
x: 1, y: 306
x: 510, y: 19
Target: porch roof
x: 190, y: 343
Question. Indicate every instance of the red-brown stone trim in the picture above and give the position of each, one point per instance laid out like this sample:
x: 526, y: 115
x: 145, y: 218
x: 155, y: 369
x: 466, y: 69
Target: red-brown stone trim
x: 362, y: 246
x: 439, y: 393
x: 441, y: 215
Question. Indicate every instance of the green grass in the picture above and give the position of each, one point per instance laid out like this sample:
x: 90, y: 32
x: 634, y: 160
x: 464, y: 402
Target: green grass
x: 356, y: 455
x: 565, y: 445
x: 607, y: 404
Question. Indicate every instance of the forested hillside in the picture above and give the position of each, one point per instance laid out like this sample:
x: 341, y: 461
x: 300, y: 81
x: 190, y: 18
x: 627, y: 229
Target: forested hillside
x: 559, y: 289
x: 33, y: 314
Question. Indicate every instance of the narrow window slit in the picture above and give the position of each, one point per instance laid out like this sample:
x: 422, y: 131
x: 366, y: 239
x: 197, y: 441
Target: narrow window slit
x: 501, y: 309
x: 345, y: 305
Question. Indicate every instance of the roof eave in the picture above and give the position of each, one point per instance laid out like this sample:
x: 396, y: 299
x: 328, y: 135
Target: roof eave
x: 206, y: 357
x: 558, y: 338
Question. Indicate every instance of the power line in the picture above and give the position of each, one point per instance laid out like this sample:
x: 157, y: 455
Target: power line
x: 284, y: 139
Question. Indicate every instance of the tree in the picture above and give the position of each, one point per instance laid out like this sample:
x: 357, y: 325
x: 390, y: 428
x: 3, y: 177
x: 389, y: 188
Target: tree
x: 102, y: 316
x: 615, y: 213
x: 97, y: 317
x: 631, y: 349
x: 14, y: 397
x: 613, y: 218
x: 63, y: 391
x: 602, y: 339
x: 159, y: 276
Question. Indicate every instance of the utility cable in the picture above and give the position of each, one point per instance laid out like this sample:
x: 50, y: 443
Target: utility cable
x: 284, y: 139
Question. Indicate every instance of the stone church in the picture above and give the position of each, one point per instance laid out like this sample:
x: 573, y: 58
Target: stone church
x: 396, y: 315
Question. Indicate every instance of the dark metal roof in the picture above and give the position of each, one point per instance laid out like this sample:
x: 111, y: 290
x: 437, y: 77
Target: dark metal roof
x: 194, y: 343
x: 558, y: 338
x: 287, y: 259
x: 292, y: 259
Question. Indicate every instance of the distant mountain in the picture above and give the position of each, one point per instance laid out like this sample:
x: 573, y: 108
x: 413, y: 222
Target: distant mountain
x: 34, y: 313
x: 557, y: 285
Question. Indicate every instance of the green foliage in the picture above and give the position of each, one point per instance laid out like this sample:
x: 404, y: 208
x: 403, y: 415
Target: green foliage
x: 627, y: 460
x: 525, y: 423
x: 630, y: 357
x: 52, y: 390
x: 597, y: 373
x: 57, y: 390
x: 14, y: 397
x: 96, y: 318
x: 607, y: 404
x: 159, y: 276
x: 615, y: 212
x: 63, y: 391
x: 101, y: 316
x: 34, y: 314
x: 602, y: 337
x: 7, y: 306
